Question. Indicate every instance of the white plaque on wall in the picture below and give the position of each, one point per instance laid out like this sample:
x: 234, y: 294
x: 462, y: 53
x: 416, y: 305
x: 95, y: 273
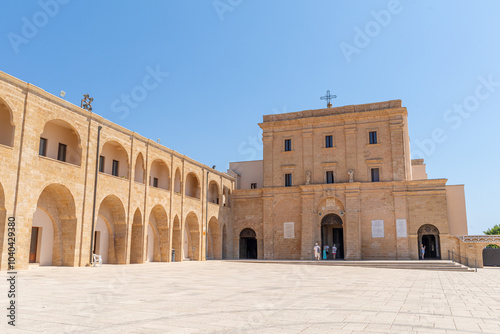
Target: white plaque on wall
x: 377, y: 228
x: 401, y: 228
x: 289, y: 230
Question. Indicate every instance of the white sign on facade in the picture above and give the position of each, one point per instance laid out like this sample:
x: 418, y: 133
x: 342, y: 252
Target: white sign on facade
x: 289, y: 230
x: 401, y: 228
x: 377, y: 228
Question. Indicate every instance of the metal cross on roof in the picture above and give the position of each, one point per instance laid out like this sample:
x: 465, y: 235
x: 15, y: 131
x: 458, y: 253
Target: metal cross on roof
x: 328, y: 97
x: 87, y: 102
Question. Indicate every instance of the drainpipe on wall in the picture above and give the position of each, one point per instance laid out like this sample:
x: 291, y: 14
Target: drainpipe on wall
x: 95, y: 195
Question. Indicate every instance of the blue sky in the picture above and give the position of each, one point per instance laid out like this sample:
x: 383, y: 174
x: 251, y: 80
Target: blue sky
x: 222, y: 64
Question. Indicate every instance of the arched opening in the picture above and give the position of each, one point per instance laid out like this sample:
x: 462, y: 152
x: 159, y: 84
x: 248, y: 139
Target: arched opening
x: 177, y: 181
x: 491, y: 255
x: 192, y: 186
x: 6, y: 125
x: 214, y: 249
x: 60, y: 141
x: 332, y: 234
x: 192, y: 237
x: 177, y: 239
x: 114, y: 160
x: 248, y: 244
x: 54, y: 228
x: 136, y: 238
x: 226, y: 197
x: 224, y: 242
x: 111, y: 231
x: 428, y: 235
x: 139, y: 169
x: 213, y: 192
x: 159, y: 175
x: 160, y: 237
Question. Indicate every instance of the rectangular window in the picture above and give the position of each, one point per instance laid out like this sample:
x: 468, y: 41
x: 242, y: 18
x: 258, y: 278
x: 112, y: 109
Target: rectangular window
x: 155, y: 182
x: 375, y: 175
x: 373, y: 137
x: 42, y: 150
x: 288, y: 145
x: 253, y: 186
x: 288, y: 180
x: 101, y: 164
x: 61, y: 152
x: 114, y: 170
x: 329, y: 141
x: 329, y: 177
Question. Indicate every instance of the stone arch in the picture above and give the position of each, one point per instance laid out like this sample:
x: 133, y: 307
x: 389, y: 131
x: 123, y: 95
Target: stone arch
x: 159, y: 176
x: 213, y: 192
x: 177, y: 238
x: 177, y: 181
x: 248, y: 244
x: 214, y: 242
x: 3, y: 225
x: 114, y: 159
x: 54, y: 228
x: 428, y: 235
x: 331, y: 205
x: 60, y: 141
x: 226, y: 197
x: 159, y: 221
x: 136, y: 241
x: 192, y: 186
x: 192, y: 232
x: 139, y: 170
x: 6, y: 125
x: 112, y: 221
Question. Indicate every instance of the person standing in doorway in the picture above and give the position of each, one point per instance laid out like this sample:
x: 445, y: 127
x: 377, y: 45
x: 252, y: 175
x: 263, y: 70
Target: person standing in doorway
x: 326, y: 249
x: 317, y: 252
x: 422, y: 250
x: 334, y: 251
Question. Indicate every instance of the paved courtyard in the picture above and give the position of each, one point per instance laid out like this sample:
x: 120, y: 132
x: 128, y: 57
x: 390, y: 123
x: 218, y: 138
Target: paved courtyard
x: 238, y: 297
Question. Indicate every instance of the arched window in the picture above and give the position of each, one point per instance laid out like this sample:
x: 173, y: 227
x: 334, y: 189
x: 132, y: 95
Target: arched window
x: 139, y: 169
x: 226, y: 198
x: 177, y: 181
x: 213, y: 192
x: 192, y: 186
x: 6, y: 125
x: 114, y: 160
x: 159, y: 175
x: 60, y: 141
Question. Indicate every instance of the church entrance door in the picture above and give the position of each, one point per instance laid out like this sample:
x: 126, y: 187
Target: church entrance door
x: 248, y: 244
x: 428, y: 235
x: 332, y: 232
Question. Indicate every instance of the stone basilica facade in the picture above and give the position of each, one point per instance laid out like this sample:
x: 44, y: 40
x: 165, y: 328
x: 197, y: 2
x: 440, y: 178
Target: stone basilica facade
x: 76, y: 184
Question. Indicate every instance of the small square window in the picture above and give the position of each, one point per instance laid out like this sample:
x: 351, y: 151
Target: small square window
x: 375, y: 175
x: 288, y: 145
x: 155, y: 182
x: 61, y: 152
x: 253, y: 186
x: 114, y: 170
x: 329, y: 177
x: 288, y: 180
x: 328, y: 141
x: 373, y: 137
x: 101, y: 164
x: 42, y: 150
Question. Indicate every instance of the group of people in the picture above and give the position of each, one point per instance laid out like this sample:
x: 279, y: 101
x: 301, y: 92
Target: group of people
x: 326, y: 252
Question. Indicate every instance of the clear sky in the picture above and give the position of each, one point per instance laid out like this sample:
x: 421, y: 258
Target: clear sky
x: 219, y: 65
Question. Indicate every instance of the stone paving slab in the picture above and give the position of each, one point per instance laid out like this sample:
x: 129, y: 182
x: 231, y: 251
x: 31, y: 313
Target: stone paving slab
x: 239, y: 297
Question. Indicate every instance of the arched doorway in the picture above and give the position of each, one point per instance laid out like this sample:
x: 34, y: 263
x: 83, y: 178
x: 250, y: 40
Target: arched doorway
x: 214, y: 246
x: 428, y: 235
x: 248, y: 244
x: 136, y: 240
x: 332, y: 233
x: 176, y: 239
